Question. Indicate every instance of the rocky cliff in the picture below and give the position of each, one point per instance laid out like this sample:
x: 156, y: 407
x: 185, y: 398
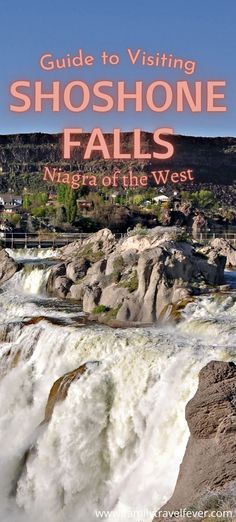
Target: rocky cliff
x: 22, y: 157
x: 207, y: 477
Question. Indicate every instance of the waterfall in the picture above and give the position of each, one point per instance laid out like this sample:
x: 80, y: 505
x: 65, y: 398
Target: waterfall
x: 117, y: 440
x: 21, y: 254
x: 33, y: 279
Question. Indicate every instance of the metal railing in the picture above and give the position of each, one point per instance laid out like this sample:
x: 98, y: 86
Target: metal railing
x: 210, y: 235
x: 56, y: 240
x: 42, y: 240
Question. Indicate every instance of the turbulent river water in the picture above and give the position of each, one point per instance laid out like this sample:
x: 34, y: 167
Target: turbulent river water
x: 117, y: 440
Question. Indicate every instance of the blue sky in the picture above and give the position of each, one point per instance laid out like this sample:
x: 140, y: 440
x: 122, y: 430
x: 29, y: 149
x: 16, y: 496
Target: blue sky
x: 203, y: 31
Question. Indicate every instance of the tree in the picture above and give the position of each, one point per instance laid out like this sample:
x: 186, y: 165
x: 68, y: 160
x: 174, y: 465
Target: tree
x: 39, y: 211
x: 42, y: 198
x: 71, y: 204
x: 138, y: 199
x: 185, y: 195
x: 206, y: 198
x: 61, y: 193
x: 203, y: 198
x: 26, y: 202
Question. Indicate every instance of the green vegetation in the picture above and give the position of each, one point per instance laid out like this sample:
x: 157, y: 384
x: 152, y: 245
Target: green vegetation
x: 110, y: 313
x: 11, y: 218
x: 100, y: 309
x: 132, y: 283
x: 181, y: 236
x: 202, y: 199
x: 68, y: 198
x: 89, y: 254
x: 61, y: 193
x: 118, y: 265
x: 39, y: 212
x: 34, y: 200
x: 137, y: 199
x: 138, y: 230
x: 71, y: 205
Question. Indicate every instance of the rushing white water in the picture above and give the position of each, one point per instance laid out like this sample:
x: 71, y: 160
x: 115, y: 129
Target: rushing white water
x: 116, y: 441
x: 21, y: 254
x: 24, y: 296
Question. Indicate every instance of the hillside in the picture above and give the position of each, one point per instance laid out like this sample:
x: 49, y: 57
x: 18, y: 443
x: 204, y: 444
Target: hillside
x: 22, y: 157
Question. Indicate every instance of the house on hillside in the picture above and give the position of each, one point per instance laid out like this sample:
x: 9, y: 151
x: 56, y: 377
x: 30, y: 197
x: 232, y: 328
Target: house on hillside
x: 160, y: 199
x: 84, y: 204
x: 10, y: 202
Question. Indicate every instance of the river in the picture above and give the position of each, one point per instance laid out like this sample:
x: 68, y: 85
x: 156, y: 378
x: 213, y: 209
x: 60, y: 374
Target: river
x: 117, y: 440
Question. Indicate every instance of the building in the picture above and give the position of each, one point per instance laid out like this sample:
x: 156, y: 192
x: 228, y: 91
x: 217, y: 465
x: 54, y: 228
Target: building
x: 160, y: 199
x: 84, y: 204
x: 10, y: 200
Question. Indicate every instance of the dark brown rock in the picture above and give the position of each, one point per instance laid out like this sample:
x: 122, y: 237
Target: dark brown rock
x: 60, y: 389
x: 209, y: 464
x: 76, y: 271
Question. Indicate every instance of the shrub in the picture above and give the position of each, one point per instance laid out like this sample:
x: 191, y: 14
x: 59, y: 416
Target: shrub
x: 92, y: 256
x: 39, y: 211
x: 100, y: 309
x: 112, y: 313
x: 132, y: 283
x: 138, y: 230
x: 11, y: 218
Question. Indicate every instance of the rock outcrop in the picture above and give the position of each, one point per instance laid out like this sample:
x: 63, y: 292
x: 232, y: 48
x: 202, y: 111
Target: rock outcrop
x: 207, y: 474
x: 57, y: 282
x: 139, y: 278
x: 225, y: 248
x: 8, y: 267
x: 60, y: 387
x: 95, y: 247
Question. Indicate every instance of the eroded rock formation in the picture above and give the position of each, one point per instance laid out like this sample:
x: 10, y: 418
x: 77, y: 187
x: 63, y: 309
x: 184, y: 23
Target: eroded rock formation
x: 138, y: 278
x: 207, y: 476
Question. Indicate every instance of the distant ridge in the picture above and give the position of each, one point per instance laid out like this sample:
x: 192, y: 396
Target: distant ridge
x: 22, y: 157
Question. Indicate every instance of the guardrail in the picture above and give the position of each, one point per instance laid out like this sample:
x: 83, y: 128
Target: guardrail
x: 56, y: 240
x: 42, y: 240
x: 206, y: 237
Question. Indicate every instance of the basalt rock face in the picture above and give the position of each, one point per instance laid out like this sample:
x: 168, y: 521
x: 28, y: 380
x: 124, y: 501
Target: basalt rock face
x: 139, y: 278
x: 60, y: 388
x: 8, y: 267
x: 24, y: 155
x: 208, y: 471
